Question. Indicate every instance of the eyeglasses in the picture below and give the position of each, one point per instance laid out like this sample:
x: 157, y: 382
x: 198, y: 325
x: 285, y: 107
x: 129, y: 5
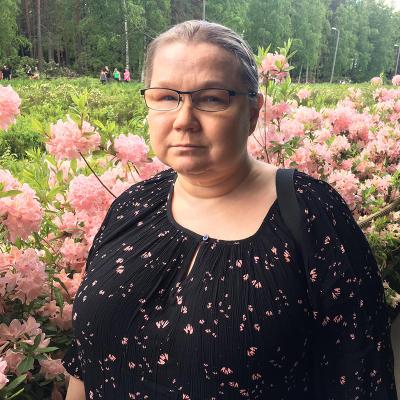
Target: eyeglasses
x: 211, y: 99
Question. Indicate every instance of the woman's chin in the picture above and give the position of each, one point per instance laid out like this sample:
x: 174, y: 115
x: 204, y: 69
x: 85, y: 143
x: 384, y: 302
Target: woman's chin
x: 189, y: 167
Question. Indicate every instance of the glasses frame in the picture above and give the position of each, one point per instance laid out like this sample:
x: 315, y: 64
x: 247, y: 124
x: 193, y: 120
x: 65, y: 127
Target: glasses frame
x: 190, y: 92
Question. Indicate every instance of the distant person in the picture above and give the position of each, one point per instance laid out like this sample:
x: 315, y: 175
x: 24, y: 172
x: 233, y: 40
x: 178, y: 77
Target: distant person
x: 103, y: 76
x: 108, y: 72
x: 28, y: 71
x: 36, y: 74
x: 116, y: 75
x: 127, y: 75
x: 7, y: 73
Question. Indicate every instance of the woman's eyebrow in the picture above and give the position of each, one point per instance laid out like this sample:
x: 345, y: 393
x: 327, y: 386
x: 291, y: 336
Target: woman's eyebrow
x: 202, y: 85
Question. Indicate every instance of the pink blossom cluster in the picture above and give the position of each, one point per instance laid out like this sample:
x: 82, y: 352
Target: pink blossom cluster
x: 62, y: 320
x: 349, y: 146
x: 21, y: 213
x: 376, y: 81
x: 274, y: 66
x: 68, y: 139
x: 131, y: 148
x: 396, y: 80
x: 3, y: 376
x: 22, y: 276
x: 9, y: 106
x: 13, y: 336
x: 303, y: 94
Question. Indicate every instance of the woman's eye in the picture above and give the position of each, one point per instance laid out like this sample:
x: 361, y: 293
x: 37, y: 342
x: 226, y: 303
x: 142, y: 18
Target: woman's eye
x: 211, y: 99
x: 169, y: 98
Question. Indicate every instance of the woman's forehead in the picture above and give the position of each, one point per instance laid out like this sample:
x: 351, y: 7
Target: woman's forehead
x: 201, y: 62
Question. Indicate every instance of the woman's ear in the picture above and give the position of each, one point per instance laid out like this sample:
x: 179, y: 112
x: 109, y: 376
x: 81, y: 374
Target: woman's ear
x: 255, y: 108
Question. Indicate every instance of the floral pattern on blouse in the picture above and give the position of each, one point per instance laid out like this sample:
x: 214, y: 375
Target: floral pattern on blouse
x: 254, y: 319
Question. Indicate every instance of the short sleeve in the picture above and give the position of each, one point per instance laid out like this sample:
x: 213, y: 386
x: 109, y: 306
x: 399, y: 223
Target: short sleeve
x: 351, y: 349
x: 71, y: 360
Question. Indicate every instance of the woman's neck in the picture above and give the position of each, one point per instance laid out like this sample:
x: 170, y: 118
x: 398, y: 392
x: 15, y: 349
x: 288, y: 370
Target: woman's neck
x: 214, y: 184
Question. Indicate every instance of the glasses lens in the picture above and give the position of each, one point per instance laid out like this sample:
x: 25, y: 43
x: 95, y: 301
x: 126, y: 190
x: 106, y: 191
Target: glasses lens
x: 161, y: 99
x: 211, y: 99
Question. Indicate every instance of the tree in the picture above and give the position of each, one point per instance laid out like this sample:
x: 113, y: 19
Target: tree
x: 39, y: 44
x: 308, y: 30
x: 8, y: 24
x: 268, y: 22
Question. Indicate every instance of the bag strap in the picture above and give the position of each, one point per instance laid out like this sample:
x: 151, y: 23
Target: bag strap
x: 288, y: 204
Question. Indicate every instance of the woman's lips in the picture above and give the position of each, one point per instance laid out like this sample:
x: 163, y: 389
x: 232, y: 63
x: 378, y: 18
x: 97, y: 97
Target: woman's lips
x: 187, y: 146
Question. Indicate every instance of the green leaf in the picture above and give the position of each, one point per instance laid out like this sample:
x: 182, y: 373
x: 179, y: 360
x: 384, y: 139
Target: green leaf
x: 74, y: 165
x: 37, y: 125
x: 13, y: 396
x: 59, y: 297
x: 9, y: 193
x: 46, y: 350
x: 26, y: 365
x: 36, y: 342
x: 14, y: 383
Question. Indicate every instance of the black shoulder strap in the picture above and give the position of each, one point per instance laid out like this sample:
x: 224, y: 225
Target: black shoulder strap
x: 288, y: 204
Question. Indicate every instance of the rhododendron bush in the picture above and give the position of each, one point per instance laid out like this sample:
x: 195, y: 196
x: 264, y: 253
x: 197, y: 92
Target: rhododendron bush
x: 51, y: 211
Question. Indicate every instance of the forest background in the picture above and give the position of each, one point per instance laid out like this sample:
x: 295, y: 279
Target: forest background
x: 81, y: 36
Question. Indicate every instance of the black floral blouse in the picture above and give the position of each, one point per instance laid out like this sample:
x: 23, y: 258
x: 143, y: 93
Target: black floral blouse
x: 251, y: 320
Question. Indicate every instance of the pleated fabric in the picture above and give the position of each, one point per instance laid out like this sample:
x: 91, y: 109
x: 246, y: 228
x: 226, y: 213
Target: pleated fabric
x: 253, y: 319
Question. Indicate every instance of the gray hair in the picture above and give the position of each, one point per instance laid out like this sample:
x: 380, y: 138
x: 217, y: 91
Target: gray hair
x: 208, y: 32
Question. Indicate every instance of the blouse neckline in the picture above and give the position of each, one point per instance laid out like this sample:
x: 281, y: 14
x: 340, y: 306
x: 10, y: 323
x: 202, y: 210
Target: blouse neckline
x: 205, y: 237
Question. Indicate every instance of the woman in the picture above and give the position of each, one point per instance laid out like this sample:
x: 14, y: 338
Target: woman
x: 116, y: 75
x: 127, y: 75
x: 194, y: 289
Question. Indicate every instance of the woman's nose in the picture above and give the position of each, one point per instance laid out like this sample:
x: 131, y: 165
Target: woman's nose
x: 185, y: 115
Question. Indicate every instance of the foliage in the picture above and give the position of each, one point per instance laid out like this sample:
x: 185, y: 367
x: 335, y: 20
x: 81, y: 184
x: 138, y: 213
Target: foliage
x: 368, y: 31
x: 49, y: 100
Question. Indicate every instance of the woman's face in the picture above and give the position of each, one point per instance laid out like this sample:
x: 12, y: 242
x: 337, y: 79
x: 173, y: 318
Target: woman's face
x: 191, y: 141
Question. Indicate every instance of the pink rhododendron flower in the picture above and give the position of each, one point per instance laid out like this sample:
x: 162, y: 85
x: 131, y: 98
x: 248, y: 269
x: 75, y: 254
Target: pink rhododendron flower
x: 22, y: 214
x: 9, y: 106
x: 309, y: 117
x: 303, y: 94
x: 68, y: 140
x: 396, y: 80
x: 291, y: 128
x: 16, y: 329
x: 346, y: 183
x: 63, y: 320
x: 279, y: 110
x: 25, y: 279
x: 274, y: 66
x: 70, y: 281
x: 87, y: 194
x: 13, y: 359
x: 131, y: 148
x: 339, y: 144
x: 74, y: 254
x: 51, y: 368
x: 3, y: 377
x: 341, y: 118
x: 376, y: 81
x: 149, y: 169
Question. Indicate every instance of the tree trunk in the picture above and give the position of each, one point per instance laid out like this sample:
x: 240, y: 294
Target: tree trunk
x: 27, y: 16
x: 174, y: 12
x: 78, y: 35
x: 301, y: 70
x: 39, y: 34
x: 307, y: 74
x: 125, y: 10
x: 48, y: 6
x: 197, y: 9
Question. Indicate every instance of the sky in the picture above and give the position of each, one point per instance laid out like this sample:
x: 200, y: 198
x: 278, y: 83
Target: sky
x: 394, y: 3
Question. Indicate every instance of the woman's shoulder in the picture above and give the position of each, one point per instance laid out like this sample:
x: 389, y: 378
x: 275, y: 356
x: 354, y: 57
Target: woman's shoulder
x: 158, y: 185
x: 310, y: 187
